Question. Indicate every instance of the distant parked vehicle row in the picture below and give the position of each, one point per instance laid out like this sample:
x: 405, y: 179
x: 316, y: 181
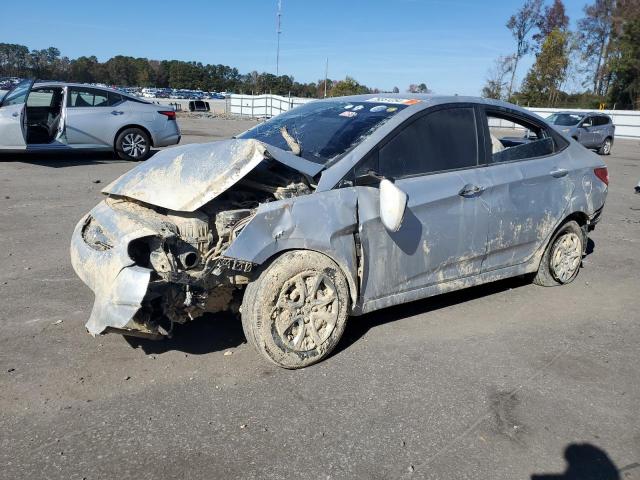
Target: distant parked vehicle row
x: 49, y: 116
x: 593, y: 130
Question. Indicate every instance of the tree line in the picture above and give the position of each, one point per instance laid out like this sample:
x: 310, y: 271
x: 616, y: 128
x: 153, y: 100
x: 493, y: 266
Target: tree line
x: 49, y: 64
x: 602, y: 55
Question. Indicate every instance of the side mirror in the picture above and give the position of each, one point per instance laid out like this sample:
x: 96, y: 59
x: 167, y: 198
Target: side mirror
x: 393, y: 203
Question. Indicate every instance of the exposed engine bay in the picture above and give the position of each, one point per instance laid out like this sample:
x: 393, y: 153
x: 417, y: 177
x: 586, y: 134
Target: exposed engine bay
x: 189, y: 272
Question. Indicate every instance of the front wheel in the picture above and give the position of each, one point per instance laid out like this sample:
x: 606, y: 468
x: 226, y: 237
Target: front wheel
x: 295, y: 312
x: 133, y: 144
x: 561, y: 260
x: 605, y: 148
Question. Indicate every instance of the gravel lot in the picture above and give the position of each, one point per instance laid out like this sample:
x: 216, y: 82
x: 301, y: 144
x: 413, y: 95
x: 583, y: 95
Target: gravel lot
x: 494, y: 382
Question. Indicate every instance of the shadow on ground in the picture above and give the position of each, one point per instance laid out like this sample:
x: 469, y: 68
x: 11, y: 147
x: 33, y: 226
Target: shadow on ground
x: 357, y: 327
x: 216, y: 332
x: 586, y: 462
x: 206, y: 334
x: 62, y: 159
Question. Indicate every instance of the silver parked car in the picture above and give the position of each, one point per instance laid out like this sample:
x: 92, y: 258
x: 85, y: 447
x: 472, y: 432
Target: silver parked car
x: 338, y: 207
x: 593, y: 130
x: 51, y: 116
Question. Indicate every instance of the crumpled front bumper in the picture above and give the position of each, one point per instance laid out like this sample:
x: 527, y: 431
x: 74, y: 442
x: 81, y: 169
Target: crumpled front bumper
x: 119, y: 285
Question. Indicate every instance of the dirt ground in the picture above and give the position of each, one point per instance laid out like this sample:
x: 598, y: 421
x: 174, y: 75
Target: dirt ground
x: 503, y: 381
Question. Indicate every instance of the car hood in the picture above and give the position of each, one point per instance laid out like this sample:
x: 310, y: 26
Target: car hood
x: 187, y: 177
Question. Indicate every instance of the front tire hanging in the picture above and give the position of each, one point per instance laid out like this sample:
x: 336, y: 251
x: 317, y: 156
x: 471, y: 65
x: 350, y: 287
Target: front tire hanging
x: 295, y: 312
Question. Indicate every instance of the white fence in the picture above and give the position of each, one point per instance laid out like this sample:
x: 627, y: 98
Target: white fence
x: 263, y: 105
x: 627, y: 122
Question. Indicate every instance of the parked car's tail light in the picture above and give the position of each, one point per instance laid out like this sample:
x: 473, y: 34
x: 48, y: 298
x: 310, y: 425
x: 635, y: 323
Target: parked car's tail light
x: 170, y: 114
x: 603, y: 174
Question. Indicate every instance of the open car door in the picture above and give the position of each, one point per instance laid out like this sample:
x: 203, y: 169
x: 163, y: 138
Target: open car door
x: 12, y: 117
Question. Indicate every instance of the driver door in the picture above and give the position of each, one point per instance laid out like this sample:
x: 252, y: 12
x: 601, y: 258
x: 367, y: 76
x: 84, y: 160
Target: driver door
x: 434, y: 160
x: 13, y: 117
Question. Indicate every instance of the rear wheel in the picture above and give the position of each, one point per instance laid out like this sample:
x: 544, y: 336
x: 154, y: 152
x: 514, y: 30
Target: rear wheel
x: 605, y: 148
x: 561, y: 260
x: 295, y: 312
x: 133, y: 144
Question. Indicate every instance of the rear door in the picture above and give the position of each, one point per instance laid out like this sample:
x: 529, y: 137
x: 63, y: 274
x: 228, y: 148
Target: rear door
x: 600, y: 129
x: 528, y: 190
x: 13, y: 117
x: 587, y: 132
x: 434, y: 159
x: 93, y: 116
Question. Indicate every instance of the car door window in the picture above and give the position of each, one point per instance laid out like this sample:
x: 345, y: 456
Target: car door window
x: 600, y: 121
x: 18, y: 95
x: 514, y: 138
x: 441, y: 140
x: 89, y: 97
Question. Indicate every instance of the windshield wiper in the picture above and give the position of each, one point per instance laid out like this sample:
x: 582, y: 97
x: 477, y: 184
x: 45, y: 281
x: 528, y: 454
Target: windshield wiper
x: 293, y: 145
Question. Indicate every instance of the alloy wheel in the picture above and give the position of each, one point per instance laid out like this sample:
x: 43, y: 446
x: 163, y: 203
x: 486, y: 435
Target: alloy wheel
x: 566, y: 257
x: 306, y: 311
x: 134, y: 145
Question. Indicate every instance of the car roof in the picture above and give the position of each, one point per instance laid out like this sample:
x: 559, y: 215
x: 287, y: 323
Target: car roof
x: 570, y: 112
x: 427, y: 100
x: 71, y: 84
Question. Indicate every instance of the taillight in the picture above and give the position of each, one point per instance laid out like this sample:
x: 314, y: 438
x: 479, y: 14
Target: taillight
x: 170, y: 114
x: 603, y: 174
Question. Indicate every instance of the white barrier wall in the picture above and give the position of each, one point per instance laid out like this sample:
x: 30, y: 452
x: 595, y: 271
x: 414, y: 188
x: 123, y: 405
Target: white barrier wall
x: 263, y: 105
x: 627, y: 122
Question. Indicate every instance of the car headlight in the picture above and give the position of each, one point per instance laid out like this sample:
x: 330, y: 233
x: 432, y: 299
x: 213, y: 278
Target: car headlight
x: 94, y: 236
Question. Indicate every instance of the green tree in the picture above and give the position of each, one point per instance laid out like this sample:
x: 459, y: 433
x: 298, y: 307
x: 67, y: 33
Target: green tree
x: 348, y: 86
x: 542, y: 84
x: 624, y: 89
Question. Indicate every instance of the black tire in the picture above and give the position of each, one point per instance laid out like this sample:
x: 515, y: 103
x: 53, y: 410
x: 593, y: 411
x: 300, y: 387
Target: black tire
x: 605, y: 148
x: 133, y: 144
x: 556, y: 266
x: 295, y: 312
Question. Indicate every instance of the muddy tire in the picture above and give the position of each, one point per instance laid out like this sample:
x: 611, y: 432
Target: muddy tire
x: 133, y: 144
x: 605, y: 148
x: 295, y: 312
x: 562, y: 258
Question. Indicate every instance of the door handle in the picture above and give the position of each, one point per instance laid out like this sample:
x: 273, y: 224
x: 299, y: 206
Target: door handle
x: 116, y: 112
x: 15, y: 114
x: 470, y: 190
x: 560, y: 172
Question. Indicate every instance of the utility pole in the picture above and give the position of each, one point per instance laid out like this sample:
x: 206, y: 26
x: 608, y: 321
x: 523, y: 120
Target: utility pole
x: 278, y: 32
x: 326, y: 76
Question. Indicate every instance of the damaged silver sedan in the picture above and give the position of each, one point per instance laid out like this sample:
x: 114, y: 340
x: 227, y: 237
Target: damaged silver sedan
x: 337, y: 208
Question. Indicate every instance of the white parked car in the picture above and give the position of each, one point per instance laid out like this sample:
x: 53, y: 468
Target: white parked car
x: 48, y: 116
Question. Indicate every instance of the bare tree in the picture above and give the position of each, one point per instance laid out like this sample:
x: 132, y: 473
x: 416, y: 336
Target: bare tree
x: 594, y: 32
x: 496, y: 78
x: 553, y: 18
x: 521, y: 24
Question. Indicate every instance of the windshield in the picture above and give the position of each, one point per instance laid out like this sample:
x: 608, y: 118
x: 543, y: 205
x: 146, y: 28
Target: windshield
x: 320, y: 131
x: 564, y: 119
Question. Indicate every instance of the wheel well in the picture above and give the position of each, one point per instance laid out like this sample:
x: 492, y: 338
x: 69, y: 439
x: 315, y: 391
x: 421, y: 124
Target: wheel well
x: 145, y: 130
x: 581, y: 219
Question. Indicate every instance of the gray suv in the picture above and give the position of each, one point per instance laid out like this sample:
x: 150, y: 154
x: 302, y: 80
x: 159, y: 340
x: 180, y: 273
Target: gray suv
x: 593, y: 130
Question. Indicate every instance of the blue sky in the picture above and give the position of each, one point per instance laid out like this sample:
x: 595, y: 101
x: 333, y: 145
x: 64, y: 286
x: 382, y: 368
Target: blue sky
x: 447, y: 44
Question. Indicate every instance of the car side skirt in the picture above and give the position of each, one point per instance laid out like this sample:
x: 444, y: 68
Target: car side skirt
x: 458, y: 284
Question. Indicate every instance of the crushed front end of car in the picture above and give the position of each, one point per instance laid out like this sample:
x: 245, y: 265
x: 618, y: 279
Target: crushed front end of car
x: 153, y: 252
